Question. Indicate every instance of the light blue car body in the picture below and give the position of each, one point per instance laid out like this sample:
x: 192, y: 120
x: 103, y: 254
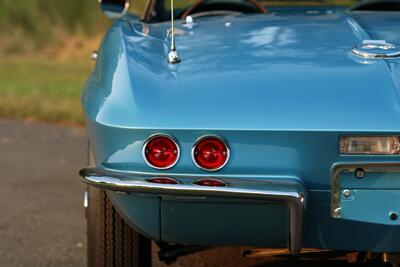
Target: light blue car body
x: 281, y: 89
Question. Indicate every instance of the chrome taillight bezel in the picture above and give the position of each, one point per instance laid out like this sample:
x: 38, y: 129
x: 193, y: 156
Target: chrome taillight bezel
x: 201, y: 138
x: 152, y: 137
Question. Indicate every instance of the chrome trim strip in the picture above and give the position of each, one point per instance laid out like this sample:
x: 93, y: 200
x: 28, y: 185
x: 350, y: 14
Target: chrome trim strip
x: 211, y: 136
x: 294, y: 198
x: 368, y: 167
x: 151, y: 137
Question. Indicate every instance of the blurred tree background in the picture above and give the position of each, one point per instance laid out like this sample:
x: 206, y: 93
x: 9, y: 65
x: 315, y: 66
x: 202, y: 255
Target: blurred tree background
x: 34, y: 24
x: 45, y: 48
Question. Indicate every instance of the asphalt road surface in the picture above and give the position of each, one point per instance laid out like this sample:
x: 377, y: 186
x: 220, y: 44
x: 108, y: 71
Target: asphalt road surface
x: 41, y: 214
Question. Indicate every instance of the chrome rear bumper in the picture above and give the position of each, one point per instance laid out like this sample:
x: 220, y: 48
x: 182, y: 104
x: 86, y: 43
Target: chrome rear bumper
x: 287, y: 190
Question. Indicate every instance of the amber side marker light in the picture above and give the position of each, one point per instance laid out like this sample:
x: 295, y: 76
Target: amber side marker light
x: 162, y: 180
x: 369, y: 145
x: 210, y: 153
x: 161, y: 151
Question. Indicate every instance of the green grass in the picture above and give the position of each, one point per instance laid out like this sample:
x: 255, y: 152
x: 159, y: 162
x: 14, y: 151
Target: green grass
x: 44, y: 56
x: 42, y: 89
x: 32, y: 25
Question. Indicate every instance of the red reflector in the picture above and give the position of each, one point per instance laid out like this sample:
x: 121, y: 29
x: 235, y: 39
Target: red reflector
x: 162, y: 180
x: 210, y: 153
x: 210, y: 182
x: 161, y: 152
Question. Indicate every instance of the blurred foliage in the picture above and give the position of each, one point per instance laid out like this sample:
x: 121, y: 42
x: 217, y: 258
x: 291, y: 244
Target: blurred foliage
x: 44, y: 55
x: 36, y: 24
x: 42, y: 89
x: 45, y: 46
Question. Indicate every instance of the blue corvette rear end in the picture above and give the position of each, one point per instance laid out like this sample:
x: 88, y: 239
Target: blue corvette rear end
x: 283, y: 91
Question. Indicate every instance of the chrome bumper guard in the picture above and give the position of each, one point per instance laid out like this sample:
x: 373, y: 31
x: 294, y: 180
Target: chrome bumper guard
x: 288, y: 191
x: 366, y: 167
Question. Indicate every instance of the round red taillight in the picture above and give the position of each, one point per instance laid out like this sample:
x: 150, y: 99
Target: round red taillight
x: 210, y: 153
x: 161, y: 152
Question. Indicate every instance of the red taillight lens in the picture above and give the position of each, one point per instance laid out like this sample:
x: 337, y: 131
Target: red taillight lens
x: 210, y: 153
x: 162, y: 180
x: 210, y: 182
x: 161, y: 152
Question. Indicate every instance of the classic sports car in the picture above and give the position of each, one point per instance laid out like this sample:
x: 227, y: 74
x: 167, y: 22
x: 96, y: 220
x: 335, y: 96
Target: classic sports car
x: 265, y: 124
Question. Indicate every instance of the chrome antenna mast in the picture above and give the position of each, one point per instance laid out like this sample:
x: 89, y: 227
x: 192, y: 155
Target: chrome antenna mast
x: 173, y: 56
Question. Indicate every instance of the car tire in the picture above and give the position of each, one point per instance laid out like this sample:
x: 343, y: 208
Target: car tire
x: 111, y: 242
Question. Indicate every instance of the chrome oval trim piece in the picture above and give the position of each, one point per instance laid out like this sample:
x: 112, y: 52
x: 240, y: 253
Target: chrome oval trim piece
x: 376, y: 49
x: 211, y: 136
x: 161, y: 135
x: 293, y: 194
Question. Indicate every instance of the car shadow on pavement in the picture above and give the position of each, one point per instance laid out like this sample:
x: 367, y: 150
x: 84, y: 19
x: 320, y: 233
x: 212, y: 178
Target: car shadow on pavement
x: 315, y: 263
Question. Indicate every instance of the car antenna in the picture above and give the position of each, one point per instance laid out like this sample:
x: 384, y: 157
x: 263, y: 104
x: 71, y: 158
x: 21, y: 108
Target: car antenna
x: 173, y: 56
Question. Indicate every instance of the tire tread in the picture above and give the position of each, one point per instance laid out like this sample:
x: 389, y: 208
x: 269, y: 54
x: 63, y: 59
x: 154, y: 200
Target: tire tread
x: 111, y: 241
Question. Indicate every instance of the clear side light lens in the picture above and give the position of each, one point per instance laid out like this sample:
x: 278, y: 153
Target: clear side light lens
x: 370, y: 145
